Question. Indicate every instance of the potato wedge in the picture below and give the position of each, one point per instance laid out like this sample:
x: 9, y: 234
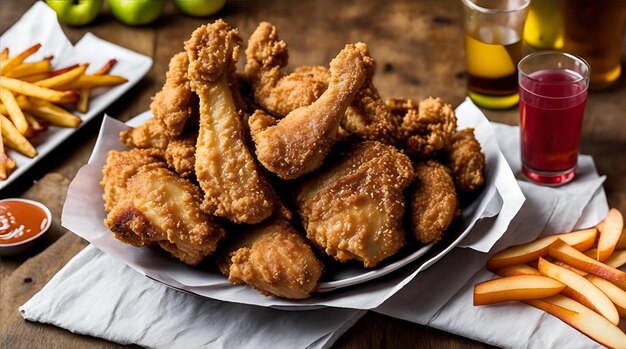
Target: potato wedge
x: 610, y: 233
x: 579, y: 260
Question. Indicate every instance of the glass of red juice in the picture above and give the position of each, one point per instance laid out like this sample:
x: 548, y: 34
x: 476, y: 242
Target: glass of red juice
x: 553, y: 92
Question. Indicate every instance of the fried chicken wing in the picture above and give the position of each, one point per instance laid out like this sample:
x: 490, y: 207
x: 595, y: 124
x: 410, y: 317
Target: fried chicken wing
x: 466, y: 160
x: 181, y: 155
x: 120, y: 166
x: 164, y: 209
x: 425, y: 128
x: 232, y: 184
x: 275, y: 91
x: 176, y: 105
x: 354, y: 209
x: 433, y: 201
x: 299, y: 143
x: 151, y: 134
x: 273, y: 258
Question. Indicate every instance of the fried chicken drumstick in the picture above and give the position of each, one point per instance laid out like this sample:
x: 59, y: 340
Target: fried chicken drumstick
x: 275, y: 91
x: 354, y: 209
x: 299, y: 143
x: 225, y: 169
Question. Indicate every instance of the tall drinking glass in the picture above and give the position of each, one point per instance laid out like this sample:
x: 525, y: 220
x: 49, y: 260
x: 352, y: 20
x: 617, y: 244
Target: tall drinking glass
x: 493, y: 46
x: 553, y: 92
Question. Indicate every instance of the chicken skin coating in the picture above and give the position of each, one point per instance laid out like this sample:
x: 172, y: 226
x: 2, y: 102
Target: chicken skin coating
x: 425, y: 128
x: 273, y: 258
x: 353, y: 209
x: 151, y: 134
x: 176, y: 105
x: 275, y: 91
x: 232, y: 183
x: 119, y: 167
x: 181, y: 155
x: 299, y: 143
x: 164, y: 209
x: 466, y: 160
x: 433, y: 201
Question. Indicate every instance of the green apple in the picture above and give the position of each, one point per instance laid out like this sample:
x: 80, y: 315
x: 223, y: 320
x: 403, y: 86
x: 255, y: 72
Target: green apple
x: 136, y: 12
x: 76, y: 12
x: 199, y: 8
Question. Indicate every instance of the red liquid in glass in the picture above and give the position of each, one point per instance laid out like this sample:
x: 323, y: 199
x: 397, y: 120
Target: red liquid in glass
x: 552, y: 103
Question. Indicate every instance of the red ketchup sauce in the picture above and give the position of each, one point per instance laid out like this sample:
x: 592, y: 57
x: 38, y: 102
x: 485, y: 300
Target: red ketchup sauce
x: 20, y: 221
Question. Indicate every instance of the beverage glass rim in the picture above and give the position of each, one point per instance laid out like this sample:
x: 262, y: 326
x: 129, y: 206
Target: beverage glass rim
x: 472, y: 5
x: 583, y: 76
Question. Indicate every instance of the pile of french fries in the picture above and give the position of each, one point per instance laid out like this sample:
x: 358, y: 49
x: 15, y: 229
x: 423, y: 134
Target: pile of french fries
x: 572, y: 276
x: 33, y: 95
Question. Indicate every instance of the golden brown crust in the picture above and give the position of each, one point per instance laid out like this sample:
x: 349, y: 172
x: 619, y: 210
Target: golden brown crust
x: 433, y: 203
x: 164, y: 209
x: 466, y: 160
x: 274, y: 91
x: 181, y: 155
x: 299, y: 143
x: 119, y: 167
x: 151, y: 134
x: 425, y: 128
x: 232, y: 184
x: 354, y: 209
x: 273, y: 258
x: 175, y: 106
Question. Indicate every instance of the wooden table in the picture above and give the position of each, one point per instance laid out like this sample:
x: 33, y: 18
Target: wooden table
x: 419, y: 49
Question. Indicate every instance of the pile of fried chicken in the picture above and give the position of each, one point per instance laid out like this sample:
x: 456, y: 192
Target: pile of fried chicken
x: 266, y: 171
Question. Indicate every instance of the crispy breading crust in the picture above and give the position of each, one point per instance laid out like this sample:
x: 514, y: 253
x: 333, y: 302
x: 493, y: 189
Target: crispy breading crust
x: 151, y: 134
x: 466, y: 160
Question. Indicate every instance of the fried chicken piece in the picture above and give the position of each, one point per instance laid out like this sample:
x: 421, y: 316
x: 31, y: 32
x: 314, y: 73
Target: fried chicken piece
x: 466, y: 160
x: 181, y: 155
x: 424, y: 129
x: 273, y: 258
x: 119, y: 167
x: 433, y: 201
x: 275, y: 91
x: 151, y: 134
x: 176, y: 105
x: 299, y: 143
x: 164, y: 209
x: 232, y: 184
x: 354, y: 208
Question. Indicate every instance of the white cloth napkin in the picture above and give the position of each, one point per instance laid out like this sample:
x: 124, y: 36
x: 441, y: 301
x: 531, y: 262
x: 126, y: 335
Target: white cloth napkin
x: 97, y: 295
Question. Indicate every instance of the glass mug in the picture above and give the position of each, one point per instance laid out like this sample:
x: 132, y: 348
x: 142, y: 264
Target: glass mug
x: 493, y: 45
x: 553, y: 92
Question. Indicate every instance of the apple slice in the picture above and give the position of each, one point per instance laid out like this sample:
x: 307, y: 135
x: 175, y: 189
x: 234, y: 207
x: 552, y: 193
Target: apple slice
x: 581, y: 240
x: 569, y: 267
x: 615, y: 294
x: 583, y: 319
x: 582, y: 288
x: 517, y: 269
x: 568, y: 254
x: 621, y: 243
x: 617, y: 259
x: 610, y: 232
x: 515, y: 288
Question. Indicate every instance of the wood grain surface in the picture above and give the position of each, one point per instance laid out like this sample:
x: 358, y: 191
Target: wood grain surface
x: 419, y: 50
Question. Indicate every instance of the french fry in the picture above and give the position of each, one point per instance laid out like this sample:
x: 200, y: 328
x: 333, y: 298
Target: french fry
x: 92, y: 81
x: 27, y: 69
x: 62, y: 79
x: 63, y: 70
x: 14, y: 111
x: 83, y: 94
x: 16, y: 60
x: 4, y: 54
x: 35, y: 77
x: 3, y: 171
x: 32, y: 90
x: 35, y: 127
x: 15, y: 140
x: 53, y: 114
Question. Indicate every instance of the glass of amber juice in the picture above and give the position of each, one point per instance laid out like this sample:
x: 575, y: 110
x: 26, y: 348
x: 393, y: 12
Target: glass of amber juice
x: 493, y: 46
x: 553, y: 92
